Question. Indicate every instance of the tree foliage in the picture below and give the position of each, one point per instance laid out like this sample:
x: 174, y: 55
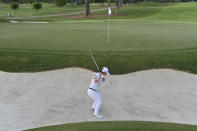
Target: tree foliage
x: 99, y: 1
x: 60, y: 3
x: 14, y: 6
x: 37, y: 5
x: 63, y: 2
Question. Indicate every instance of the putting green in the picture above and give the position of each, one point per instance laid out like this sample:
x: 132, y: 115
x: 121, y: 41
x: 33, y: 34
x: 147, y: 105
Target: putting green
x: 124, y: 36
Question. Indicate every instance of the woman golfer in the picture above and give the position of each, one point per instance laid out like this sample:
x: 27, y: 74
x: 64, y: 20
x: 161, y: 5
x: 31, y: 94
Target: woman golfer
x: 97, y: 79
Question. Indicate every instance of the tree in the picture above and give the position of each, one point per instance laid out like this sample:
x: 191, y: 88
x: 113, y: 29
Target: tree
x: 60, y: 3
x: 14, y: 6
x: 37, y: 6
x: 70, y: 1
x: 117, y: 6
x: 87, y: 7
x: 100, y: 1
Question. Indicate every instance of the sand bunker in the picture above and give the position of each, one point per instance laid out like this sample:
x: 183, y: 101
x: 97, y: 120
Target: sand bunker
x: 29, y: 22
x: 30, y: 100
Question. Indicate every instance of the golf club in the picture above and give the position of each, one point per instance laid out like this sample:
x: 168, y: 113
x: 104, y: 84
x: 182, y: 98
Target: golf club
x: 93, y: 59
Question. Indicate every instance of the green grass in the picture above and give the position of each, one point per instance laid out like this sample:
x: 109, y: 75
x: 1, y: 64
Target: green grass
x: 159, y: 12
x: 124, y: 36
x: 118, y: 62
x: 119, y: 126
x: 143, y: 36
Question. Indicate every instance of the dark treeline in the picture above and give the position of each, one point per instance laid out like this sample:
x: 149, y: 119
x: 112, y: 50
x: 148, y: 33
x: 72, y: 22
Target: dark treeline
x: 161, y: 1
x: 93, y: 1
x: 26, y: 1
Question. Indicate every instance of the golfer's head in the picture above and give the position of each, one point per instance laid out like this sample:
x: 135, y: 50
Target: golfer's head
x: 105, y: 71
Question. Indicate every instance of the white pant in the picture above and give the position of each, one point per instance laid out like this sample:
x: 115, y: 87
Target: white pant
x: 96, y: 97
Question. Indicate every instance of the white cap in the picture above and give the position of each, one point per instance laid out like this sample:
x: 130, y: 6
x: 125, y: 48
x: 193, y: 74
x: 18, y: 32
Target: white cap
x: 106, y: 70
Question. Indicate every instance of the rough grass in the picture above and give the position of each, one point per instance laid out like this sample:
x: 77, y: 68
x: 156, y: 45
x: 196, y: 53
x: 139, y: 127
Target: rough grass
x: 118, y: 62
x: 119, y: 126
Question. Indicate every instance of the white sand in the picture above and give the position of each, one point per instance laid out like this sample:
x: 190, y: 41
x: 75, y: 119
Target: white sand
x: 29, y: 22
x: 29, y: 100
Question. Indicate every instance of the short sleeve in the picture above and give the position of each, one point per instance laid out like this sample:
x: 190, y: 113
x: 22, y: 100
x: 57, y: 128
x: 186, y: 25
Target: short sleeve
x: 95, y: 75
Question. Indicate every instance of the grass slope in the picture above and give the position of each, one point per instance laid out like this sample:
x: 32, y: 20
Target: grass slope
x: 119, y: 126
x: 157, y: 12
x: 118, y: 62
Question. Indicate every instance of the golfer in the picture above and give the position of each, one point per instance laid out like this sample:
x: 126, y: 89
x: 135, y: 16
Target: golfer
x: 97, y: 79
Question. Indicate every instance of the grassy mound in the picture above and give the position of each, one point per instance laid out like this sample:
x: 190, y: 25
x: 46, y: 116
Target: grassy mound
x: 156, y: 12
x: 119, y: 126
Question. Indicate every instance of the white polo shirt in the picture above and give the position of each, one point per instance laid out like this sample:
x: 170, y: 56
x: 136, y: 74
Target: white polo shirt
x: 94, y: 85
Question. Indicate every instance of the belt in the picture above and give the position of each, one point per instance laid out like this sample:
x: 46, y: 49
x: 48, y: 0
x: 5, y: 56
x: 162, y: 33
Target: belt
x: 92, y: 89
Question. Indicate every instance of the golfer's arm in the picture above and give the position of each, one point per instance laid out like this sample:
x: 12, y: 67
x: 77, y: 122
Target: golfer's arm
x: 97, y: 79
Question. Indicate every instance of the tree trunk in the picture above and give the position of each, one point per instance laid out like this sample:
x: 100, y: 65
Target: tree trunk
x: 71, y: 2
x: 87, y: 8
x: 117, y: 6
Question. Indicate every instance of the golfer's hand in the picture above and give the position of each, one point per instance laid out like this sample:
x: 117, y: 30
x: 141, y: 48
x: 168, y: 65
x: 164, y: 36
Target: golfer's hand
x: 97, y: 79
x: 100, y: 74
x: 103, y: 79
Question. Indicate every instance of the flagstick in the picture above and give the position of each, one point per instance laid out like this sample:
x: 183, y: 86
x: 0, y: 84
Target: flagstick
x: 109, y: 13
x: 108, y: 29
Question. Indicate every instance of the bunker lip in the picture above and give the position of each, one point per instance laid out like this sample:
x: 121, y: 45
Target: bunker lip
x: 31, y: 100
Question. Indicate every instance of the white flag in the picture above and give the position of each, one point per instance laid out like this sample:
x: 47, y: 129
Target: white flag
x: 109, y: 11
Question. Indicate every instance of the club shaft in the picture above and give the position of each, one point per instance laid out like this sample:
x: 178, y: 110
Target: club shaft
x: 93, y: 59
